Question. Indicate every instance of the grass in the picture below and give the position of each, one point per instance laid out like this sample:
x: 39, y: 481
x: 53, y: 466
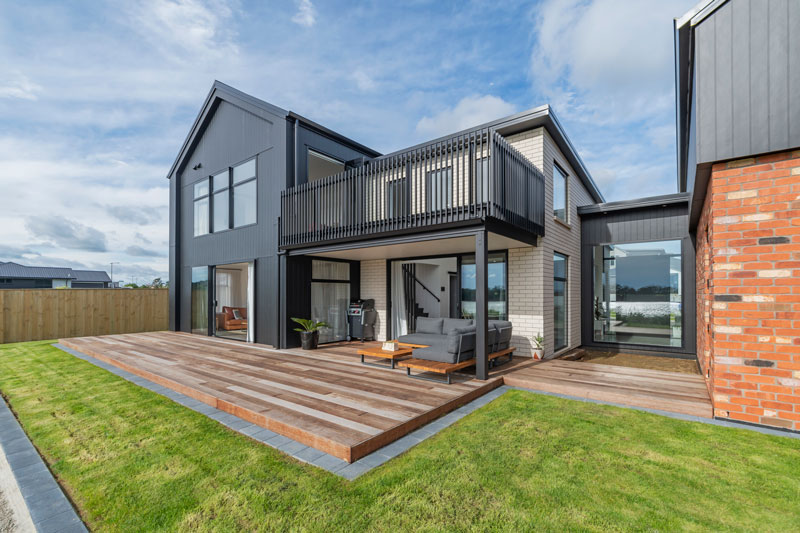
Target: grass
x: 133, y: 460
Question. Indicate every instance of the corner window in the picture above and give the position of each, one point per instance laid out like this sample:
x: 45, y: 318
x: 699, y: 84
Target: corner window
x: 559, y: 301
x: 559, y: 194
x: 637, y: 293
x: 321, y: 166
x: 201, y: 226
x: 440, y: 189
x: 244, y: 194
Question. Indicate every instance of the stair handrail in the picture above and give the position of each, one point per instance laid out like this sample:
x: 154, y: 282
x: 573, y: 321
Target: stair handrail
x: 422, y: 284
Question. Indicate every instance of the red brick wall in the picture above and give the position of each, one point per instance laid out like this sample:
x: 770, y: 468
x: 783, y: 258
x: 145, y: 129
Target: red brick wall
x: 748, y: 289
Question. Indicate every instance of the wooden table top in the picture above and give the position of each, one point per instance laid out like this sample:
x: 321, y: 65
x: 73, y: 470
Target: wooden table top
x: 385, y: 354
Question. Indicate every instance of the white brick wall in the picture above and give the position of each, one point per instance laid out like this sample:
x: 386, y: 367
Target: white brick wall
x: 373, y: 285
x: 531, y: 268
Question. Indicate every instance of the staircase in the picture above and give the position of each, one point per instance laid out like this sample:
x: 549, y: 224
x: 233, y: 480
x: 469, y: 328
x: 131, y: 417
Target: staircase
x: 413, y: 309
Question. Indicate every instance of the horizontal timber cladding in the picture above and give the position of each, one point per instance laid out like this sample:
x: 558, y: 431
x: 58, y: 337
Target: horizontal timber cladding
x: 666, y: 221
x: 39, y: 314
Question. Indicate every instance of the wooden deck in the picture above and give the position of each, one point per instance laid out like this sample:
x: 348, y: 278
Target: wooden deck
x: 325, y: 399
x: 638, y: 387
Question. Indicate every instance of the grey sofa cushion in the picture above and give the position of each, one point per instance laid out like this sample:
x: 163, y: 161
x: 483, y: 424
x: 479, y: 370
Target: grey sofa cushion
x: 429, y: 325
x: 428, y: 339
x: 503, y: 338
x: 499, y: 324
x: 461, y: 338
x: 449, y: 324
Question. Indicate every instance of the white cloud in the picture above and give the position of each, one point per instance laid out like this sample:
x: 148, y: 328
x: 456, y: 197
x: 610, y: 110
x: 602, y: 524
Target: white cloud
x: 306, y: 14
x: 469, y: 111
x: 14, y: 84
x: 606, y: 61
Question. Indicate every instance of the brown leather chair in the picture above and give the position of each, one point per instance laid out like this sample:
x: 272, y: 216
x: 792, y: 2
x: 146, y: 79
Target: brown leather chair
x: 230, y: 323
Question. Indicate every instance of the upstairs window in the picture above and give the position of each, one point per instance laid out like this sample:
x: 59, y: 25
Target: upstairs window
x: 559, y: 194
x: 440, y: 189
x: 321, y: 166
x: 221, y: 201
x: 243, y: 180
x: 396, y: 198
x: 201, y: 226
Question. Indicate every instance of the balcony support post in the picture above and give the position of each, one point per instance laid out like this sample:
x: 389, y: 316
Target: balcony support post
x: 481, y: 304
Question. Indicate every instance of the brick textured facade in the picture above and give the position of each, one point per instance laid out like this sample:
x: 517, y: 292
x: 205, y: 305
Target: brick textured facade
x: 748, y: 289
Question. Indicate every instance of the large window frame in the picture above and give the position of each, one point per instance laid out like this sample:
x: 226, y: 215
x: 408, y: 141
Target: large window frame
x: 561, y: 178
x: 679, y: 287
x: 564, y: 280
x: 222, y: 186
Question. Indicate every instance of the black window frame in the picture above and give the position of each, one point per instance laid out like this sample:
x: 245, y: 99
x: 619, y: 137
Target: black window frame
x: 565, y: 280
x: 232, y: 193
x: 395, y: 198
x: 558, y: 168
x: 230, y: 188
x: 209, y: 207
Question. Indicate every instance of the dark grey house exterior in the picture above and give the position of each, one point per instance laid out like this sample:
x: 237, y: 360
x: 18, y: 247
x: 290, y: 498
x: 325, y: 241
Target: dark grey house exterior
x: 273, y: 216
x: 16, y: 276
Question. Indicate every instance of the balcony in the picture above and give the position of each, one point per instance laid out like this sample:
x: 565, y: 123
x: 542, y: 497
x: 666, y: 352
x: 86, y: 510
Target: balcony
x: 468, y: 178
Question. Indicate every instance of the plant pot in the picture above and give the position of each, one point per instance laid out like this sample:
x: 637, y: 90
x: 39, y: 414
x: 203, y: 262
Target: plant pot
x: 538, y: 353
x: 309, y: 339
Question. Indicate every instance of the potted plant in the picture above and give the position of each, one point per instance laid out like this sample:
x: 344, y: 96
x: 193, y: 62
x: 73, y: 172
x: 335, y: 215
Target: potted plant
x: 309, y: 332
x: 538, y: 352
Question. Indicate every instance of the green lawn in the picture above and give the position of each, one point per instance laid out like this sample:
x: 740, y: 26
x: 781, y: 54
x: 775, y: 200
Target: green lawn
x: 133, y: 460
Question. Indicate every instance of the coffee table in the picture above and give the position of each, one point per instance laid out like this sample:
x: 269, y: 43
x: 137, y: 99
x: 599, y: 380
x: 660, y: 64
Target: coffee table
x: 392, y: 357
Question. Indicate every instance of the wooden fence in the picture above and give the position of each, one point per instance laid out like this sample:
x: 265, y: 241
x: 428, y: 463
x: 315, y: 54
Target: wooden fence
x: 38, y: 314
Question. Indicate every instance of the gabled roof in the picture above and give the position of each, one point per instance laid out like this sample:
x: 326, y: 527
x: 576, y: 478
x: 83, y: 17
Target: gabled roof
x: 15, y: 270
x: 91, y: 276
x: 220, y: 91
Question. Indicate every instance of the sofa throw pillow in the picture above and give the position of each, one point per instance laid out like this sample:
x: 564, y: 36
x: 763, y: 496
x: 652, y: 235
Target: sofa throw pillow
x: 429, y: 325
x: 237, y: 315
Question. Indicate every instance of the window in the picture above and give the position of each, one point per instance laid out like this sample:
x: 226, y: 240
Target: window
x: 244, y: 193
x: 497, y: 283
x: 559, y: 194
x: 330, y: 295
x: 396, y: 198
x: 321, y: 166
x: 440, y: 189
x: 199, y: 316
x: 637, y: 293
x: 559, y: 301
x: 201, y: 208
x: 221, y: 201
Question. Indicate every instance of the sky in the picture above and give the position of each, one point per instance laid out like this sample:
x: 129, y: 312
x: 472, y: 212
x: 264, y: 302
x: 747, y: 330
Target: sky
x: 96, y: 98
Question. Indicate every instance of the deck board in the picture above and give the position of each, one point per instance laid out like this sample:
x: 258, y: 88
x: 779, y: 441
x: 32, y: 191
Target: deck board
x: 637, y: 387
x: 325, y: 399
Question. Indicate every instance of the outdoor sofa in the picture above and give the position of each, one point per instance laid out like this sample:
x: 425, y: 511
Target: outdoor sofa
x: 448, y: 344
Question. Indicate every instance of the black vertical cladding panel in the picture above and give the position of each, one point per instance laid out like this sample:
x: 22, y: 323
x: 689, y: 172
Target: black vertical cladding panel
x: 174, y: 253
x: 747, y: 76
x: 639, y: 224
x: 298, y: 291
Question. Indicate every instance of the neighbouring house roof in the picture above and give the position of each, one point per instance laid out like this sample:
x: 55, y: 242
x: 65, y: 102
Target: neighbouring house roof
x: 15, y: 270
x: 91, y: 276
